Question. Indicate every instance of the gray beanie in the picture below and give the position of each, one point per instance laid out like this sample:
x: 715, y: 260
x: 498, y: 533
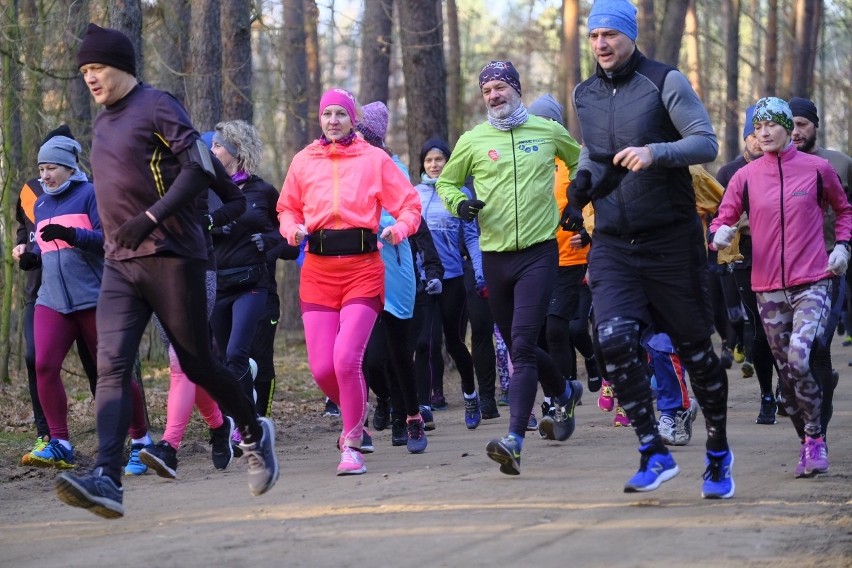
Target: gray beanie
x: 547, y: 107
x: 60, y: 150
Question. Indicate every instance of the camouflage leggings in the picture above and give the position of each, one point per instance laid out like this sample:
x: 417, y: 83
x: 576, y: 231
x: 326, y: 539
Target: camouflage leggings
x: 793, y: 318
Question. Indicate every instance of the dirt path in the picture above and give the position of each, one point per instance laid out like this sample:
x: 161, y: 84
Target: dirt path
x: 451, y: 507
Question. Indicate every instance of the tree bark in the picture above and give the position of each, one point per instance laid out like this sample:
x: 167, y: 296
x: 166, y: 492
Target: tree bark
x: 647, y: 21
x: 204, y: 92
x: 423, y: 67
x: 570, y: 67
x: 804, y: 51
x: 126, y: 15
x: 170, y: 45
x: 693, y: 49
x: 237, y: 60
x: 455, y: 97
x: 770, y: 69
x: 671, y: 33
x: 313, y: 62
x: 79, y: 100
x: 376, y: 43
x: 731, y: 19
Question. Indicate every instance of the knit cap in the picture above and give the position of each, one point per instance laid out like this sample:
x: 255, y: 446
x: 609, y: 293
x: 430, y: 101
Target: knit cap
x: 618, y: 15
x: 374, y: 123
x: 107, y: 47
x: 748, y: 127
x: 548, y: 107
x: 774, y: 109
x: 804, y: 108
x: 340, y: 97
x: 433, y: 144
x: 501, y: 71
x: 60, y: 150
x: 61, y: 130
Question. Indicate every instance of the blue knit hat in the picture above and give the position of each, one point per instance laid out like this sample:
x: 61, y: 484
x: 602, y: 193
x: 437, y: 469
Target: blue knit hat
x: 748, y: 127
x: 618, y: 15
x: 60, y: 150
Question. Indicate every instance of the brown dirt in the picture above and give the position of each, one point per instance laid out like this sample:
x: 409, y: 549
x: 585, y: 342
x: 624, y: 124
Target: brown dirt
x: 450, y: 506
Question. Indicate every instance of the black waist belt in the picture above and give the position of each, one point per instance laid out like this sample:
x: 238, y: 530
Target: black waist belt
x: 337, y: 242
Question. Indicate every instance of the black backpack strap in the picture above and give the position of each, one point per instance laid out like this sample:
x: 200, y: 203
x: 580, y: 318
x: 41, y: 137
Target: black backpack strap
x: 745, y: 198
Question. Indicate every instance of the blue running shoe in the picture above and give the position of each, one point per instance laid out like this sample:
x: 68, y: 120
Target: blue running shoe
x: 654, y: 469
x: 472, y: 415
x: 95, y: 491
x: 134, y: 464
x: 532, y: 423
x: 560, y: 425
x: 416, y: 442
x: 507, y: 452
x: 718, y: 477
x: 262, y: 462
x: 428, y: 418
x: 54, y: 454
x: 367, y: 446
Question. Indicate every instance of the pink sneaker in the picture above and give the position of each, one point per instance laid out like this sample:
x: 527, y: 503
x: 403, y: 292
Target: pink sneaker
x: 606, y: 400
x: 351, y: 462
x: 816, y: 456
x: 620, y: 418
x: 800, y: 467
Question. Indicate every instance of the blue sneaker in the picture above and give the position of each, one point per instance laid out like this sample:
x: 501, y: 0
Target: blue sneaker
x: 507, y: 452
x: 428, y: 418
x: 560, y: 425
x: 718, y: 477
x: 472, y: 415
x: 532, y: 423
x: 94, y: 491
x: 262, y: 462
x: 654, y: 469
x: 53, y: 454
x: 134, y: 464
x: 416, y: 443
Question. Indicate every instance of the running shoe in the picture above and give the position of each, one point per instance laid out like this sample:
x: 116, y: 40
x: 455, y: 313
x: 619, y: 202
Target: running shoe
x: 655, y: 468
x: 222, y: 452
x: 507, y: 452
x: 666, y: 426
x: 847, y: 341
x: 134, y: 464
x: 620, y: 419
x: 816, y: 456
x: 331, y: 409
x: 595, y: 381
x: 40, y: 443
x: 438, y: 402
x: 683, y: 423
x: 779, y: 403
x: 416, y: 442
x: 367, y: 446
x: 727, y: 358
x: 55, y: 455
x: 532, y: 423
x: 739, y: 354
x: 428, y: 418
x: 162, y: 458
x: 351, y: 462
x: 767, y: 410
x: 382, y: 415
x: 547, y: 409
x: 95, y: 491
x: 561, y: 425
x: 472, y: 415
x: 262, y: 462
x: 488, y: 408
x: 504, y: 398
x: 399, y: 433
x: 747, y: 369
x: 718, y: 477
x: 606, y: 400
x: 803, y: 462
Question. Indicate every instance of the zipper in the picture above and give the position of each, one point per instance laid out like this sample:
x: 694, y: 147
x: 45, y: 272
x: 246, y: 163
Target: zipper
x: 515, y: 180
x: 783, y: 225
x: 622, y: 209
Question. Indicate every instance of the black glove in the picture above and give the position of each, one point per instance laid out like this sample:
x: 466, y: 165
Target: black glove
x: 54, y: 231
x: 29, y: 261
x: 469, y: 209
x: 611, y: 178
x: 578, y: 191
x: 572, y: 219
x: 133, y: 232
x: 585, y: 237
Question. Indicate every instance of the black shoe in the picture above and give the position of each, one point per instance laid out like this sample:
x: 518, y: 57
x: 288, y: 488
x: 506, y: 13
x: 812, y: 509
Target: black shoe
x: 162, y: 458
x: 220, y: 439
x: 331, y: 409
x: 561, y: 425
x: 488, y: 409
x: 779, y: 403
x: 727, y: 358
x: 767, y: 410
x: 94, y: 491
x: 595, y: 380
x: 381, y: 416
x: 399, y: 433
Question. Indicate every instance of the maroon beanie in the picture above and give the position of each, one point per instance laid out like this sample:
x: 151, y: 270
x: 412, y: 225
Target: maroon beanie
x: 107, y: 47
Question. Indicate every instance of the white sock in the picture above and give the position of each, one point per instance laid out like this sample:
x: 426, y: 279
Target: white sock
x: 144, y: 440
x: 470, y: 396
x: 65, y: 444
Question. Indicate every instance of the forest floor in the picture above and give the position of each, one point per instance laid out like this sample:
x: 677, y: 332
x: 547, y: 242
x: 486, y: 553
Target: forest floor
x: 449, y: 506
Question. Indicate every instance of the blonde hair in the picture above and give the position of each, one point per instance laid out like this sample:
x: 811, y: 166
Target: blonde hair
x: 245, y: 138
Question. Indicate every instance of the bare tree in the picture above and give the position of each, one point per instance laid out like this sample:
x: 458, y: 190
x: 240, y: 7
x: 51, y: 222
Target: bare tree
x: 647, y: 27
x: 313, y: 62
x: 236, y: 60
x: 731, y: 18
x: 455, y: 100
x: 376, y: 29
x: 126, y: 15
x: 204, y: 88
x: 808, y: 20
x: 169, y: 46
x: 425, y: 75
x: 570, y: 67
x: 770, y: 77
x: 693, y: 49
x: 671, y: 32
x: 79, y: 114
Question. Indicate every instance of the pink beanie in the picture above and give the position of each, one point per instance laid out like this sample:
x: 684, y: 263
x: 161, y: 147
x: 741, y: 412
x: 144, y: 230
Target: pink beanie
x: 340, y: 97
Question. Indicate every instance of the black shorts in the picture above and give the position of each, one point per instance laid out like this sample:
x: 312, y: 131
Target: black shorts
x: 566, y: 292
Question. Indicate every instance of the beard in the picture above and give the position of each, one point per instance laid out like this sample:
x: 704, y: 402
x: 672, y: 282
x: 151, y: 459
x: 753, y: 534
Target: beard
x: 512, y: 104
x: 808, y: 144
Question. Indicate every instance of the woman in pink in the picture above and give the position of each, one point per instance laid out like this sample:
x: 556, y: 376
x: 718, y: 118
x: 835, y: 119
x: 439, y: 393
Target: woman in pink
x: 332, y: 197
x: 785, y: 193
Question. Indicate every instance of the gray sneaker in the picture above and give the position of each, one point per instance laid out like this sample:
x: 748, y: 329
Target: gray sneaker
x: 94, y: 491
x: 683, y: 423
x: 262, y: 461
x: 560, y: 426
x: 667, y: 426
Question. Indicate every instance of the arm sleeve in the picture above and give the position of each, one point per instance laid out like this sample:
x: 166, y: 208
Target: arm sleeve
x: 470, y: 235
x: 91, y: 240
x: 453, y: 176
x: 689, y: 116
x: 233, y: 200
x: 731, y: 206
x: 836, y: 197
x: 289, y: 206
x: 422, y: 242
x: 399, y: 198
x: 567, y: 149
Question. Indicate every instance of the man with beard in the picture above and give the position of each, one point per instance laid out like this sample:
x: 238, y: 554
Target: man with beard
x: 805, y: 125
x: 751, y: 151
x: 511, y: 158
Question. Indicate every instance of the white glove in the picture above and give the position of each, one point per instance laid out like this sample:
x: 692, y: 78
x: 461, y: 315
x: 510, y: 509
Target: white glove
x: 838, y: 260
x: 434, y: 286
x: 724, y: 237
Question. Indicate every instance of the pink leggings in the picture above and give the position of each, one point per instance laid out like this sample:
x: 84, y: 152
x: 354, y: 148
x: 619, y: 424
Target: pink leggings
x: 183, y: 393
x: 336, y: 341
x: 54, y: 334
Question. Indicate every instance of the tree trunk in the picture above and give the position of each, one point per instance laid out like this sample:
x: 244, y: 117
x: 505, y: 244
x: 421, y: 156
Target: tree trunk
x: 770, y: 69
x: 731, y: 20
x: 693, y: 50
x: 755, y: 49
x: 313, y: 62
x: 376, y: 44
x: 804, y: 50
x: 79, y: 100
x: 647, y: 21
x: 787, y: 37
x: 455, y: 97
x: 204, y: 88
x: 671, y: 34
x: 126, y: 15
x: 170, y: 43
x: 570, y: 63
x: 237, y: 62
x: 423, y: 67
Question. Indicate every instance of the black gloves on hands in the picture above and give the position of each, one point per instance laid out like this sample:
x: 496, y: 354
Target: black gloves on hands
x: 572, y: 218
x: 133, y: 232
x: 55, y: 231
x: 611, y: 178
x: 469, y: 209
x: 579, y: 190
x: 29, y: 261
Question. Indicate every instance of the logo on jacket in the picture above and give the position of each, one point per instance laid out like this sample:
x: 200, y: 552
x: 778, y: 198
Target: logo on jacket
x: 494, y: 155
x: 800, y: 192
